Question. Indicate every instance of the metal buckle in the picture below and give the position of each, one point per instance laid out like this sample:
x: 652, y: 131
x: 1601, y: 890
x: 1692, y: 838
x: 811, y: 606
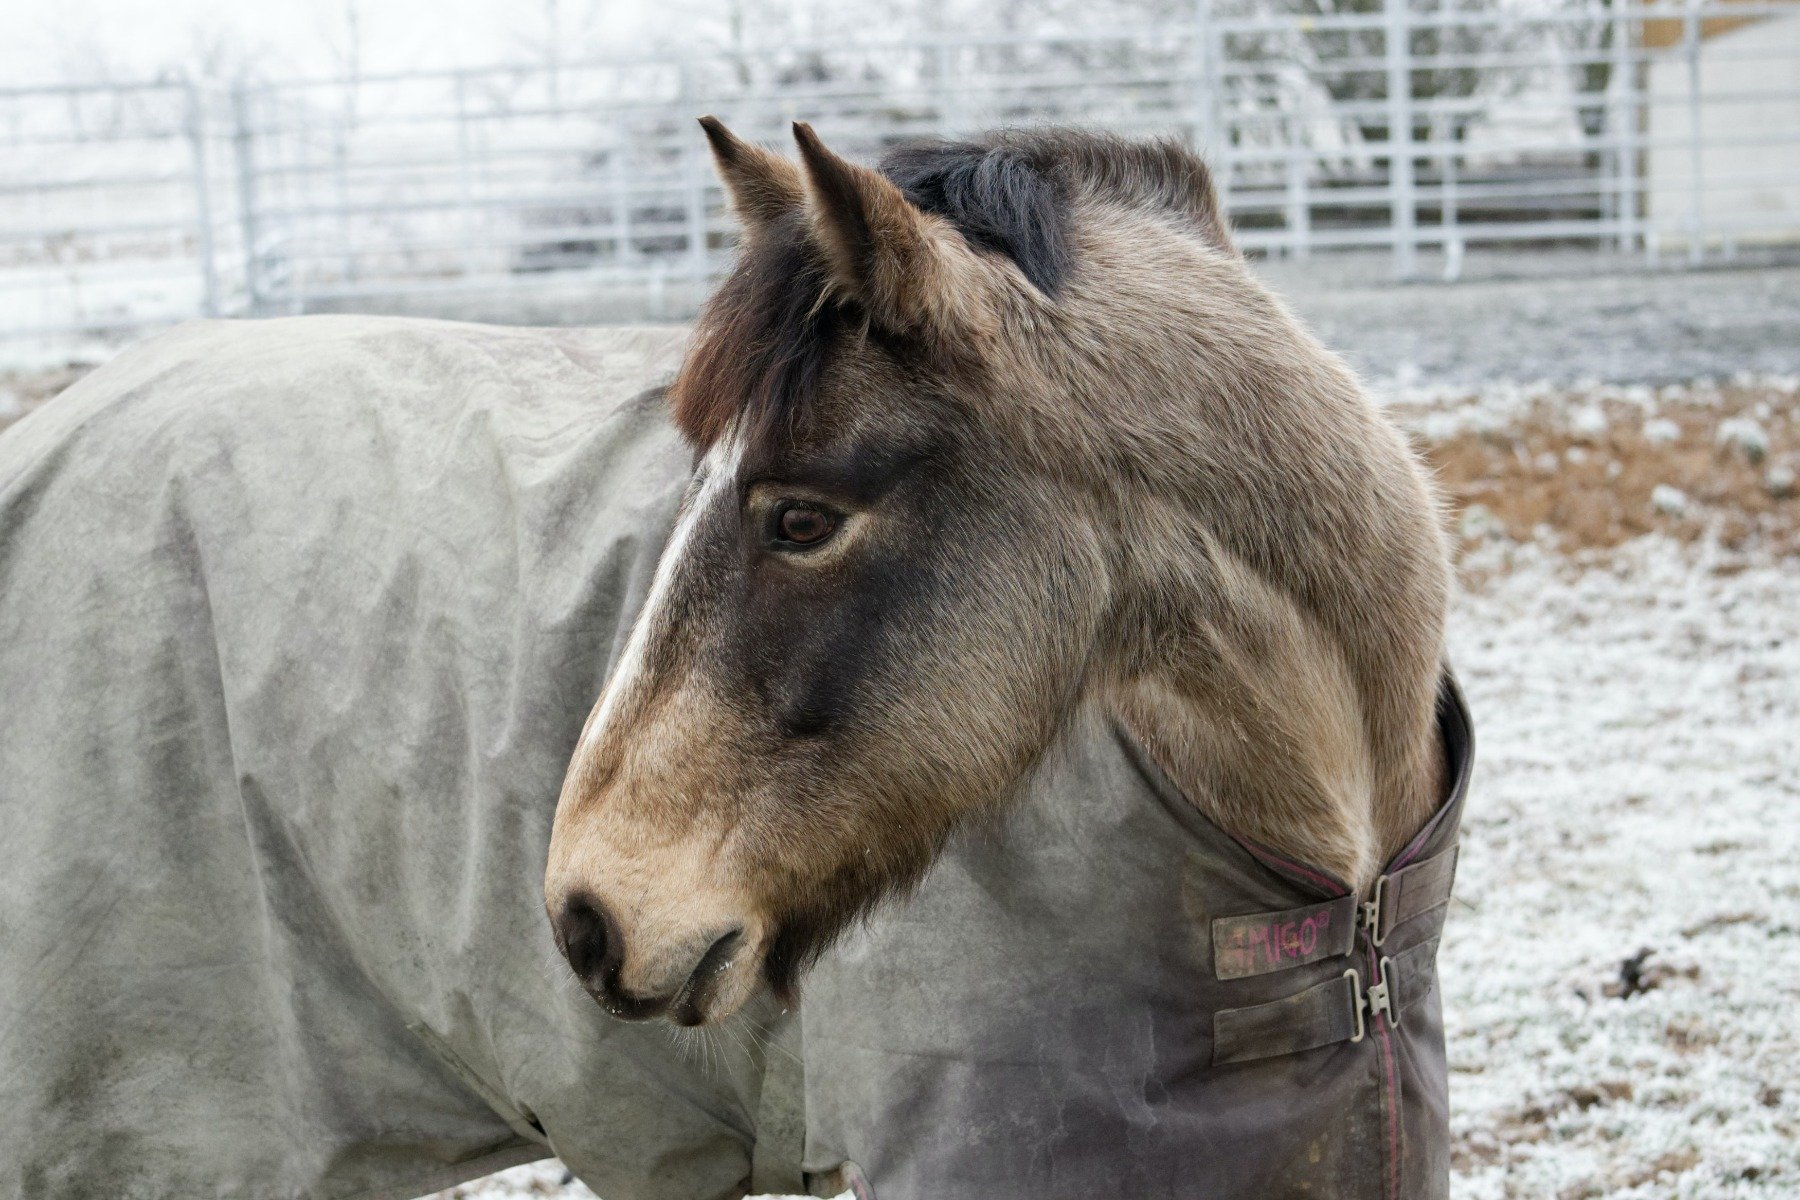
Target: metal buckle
x: 1371, y: 912
x: 1377, y: 1001
x: 1381, y: 997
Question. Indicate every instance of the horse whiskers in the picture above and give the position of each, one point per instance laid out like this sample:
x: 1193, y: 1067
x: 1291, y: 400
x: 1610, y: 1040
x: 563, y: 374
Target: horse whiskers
x: 764, y: 1038
x: 557, y: 974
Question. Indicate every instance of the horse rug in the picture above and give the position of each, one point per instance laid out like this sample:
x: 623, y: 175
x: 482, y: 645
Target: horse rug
x: 1108, y: 995
x: 299, y: 622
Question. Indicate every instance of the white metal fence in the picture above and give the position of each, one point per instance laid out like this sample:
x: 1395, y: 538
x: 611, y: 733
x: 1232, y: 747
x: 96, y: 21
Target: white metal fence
x: 535, y: 191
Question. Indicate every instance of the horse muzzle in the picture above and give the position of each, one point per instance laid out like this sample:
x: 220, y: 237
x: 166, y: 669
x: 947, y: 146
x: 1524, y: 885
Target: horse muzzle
x: 691, y: 980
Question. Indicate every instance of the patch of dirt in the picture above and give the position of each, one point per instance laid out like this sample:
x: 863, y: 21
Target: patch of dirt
x: 1585, y: 473
x: 1534, y: 1122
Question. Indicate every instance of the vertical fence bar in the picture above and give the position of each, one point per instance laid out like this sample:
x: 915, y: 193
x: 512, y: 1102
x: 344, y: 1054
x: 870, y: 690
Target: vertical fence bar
x: 1403, y: 199
x: 340, y: 182
x: 694, y: 181
x: 942, y: 64
x: 1218, y: 113
x: 465, y: 176
x: 244, y: 149
x: 1453, y: 239
x: 1696, y: 218
x: 1200, y: 82
x: 1623, y: 117
x: 623, y: 254
x: 696, y: 212
x: 1299, y: 203
x: 203, y: 212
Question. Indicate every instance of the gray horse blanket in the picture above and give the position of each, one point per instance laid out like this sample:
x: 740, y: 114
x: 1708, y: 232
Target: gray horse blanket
x: 299, y: 623
x: 1109, y: 996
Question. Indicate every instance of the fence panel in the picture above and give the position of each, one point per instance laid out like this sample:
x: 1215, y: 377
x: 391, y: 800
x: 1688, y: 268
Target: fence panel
x: 582, y: 191
x: 111, y: 209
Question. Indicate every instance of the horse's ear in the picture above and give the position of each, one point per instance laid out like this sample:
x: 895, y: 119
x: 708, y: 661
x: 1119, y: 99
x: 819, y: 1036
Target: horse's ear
x: 761, y: 185
x: 910, y: 269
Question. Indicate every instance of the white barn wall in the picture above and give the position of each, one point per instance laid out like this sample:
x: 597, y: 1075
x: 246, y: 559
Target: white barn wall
x: 1747, y: 193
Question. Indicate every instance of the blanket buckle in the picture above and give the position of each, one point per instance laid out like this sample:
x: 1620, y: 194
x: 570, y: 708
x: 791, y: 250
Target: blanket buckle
x: 1369, y: 914
x: 1380, y: 996
x: 1376, y: 1001
x: 1356, y: 1004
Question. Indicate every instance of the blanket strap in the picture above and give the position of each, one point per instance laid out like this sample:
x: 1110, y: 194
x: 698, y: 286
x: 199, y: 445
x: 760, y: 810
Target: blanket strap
x: 1404, y: 894
x: 1338, y: 1010
x: 1264, y: 942
x: 775, y: 1159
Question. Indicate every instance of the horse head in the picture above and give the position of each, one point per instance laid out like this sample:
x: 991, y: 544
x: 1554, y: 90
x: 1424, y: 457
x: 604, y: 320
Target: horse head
x: 1002, y: 429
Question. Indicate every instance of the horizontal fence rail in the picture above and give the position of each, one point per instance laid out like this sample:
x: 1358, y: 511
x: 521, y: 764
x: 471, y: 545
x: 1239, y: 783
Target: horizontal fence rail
x: 583, y: 190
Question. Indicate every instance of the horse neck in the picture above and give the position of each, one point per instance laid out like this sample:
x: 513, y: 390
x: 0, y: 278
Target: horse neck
x: 1312, y: 735
x: 1286, y: 767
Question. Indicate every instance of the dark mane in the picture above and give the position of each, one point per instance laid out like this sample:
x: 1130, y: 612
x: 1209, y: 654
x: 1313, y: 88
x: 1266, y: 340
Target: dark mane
x: 998, y: 197
x: 762, y: 341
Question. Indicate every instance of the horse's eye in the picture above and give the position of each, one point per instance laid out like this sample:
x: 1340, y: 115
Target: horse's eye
x: 803, y: 525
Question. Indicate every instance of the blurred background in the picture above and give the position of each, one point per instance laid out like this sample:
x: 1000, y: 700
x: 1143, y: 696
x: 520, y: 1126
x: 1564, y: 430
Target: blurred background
x: 538, y: 160
x: 1560, y: 239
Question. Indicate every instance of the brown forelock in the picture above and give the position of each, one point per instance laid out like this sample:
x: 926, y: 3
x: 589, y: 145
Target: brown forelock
x: 762, y: 340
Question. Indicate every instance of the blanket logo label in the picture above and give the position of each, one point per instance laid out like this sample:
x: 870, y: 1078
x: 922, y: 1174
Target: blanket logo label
x: 1264, y: 942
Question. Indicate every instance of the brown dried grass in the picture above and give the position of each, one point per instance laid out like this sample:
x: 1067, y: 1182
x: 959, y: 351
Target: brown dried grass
x: 1541, y: 478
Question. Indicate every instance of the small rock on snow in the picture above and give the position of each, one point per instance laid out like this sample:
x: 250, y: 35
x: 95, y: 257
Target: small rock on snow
x: 1669, y: 501
x: 1745, y: 436
x: 1588, y: 421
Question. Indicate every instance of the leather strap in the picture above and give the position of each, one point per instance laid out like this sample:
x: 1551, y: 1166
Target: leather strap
x: 1319, y: 1016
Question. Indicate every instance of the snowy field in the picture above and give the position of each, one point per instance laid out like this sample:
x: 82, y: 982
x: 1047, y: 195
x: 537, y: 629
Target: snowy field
x: 1622, y: 979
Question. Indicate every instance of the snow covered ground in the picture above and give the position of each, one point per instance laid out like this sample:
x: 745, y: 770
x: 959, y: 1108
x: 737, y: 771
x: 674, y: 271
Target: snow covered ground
x: 1638, y: 789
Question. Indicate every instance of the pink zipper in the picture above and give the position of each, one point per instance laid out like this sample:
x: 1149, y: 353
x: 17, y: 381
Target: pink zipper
x: 1390, y: 1093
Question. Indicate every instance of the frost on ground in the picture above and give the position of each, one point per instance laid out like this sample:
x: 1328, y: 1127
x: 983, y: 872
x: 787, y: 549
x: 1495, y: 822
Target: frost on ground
x: 534, y: 1180
x: 1622, y: 978
x: 1621, y: 974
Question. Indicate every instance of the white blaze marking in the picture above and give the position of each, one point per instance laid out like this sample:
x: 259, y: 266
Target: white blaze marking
x: 721, y: 474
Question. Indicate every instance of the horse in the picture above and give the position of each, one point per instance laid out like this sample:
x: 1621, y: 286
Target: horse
x: 999, y: 432
x: 1002, y: 449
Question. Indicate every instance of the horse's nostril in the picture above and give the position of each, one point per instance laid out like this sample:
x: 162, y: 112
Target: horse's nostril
x: 588, y: 939
x: 691, y: 1001
x: 717, y: 956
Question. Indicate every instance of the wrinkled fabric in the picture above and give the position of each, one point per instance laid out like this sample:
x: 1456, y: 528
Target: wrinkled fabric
x: 299, y: 622
x: 1045, y: 1019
